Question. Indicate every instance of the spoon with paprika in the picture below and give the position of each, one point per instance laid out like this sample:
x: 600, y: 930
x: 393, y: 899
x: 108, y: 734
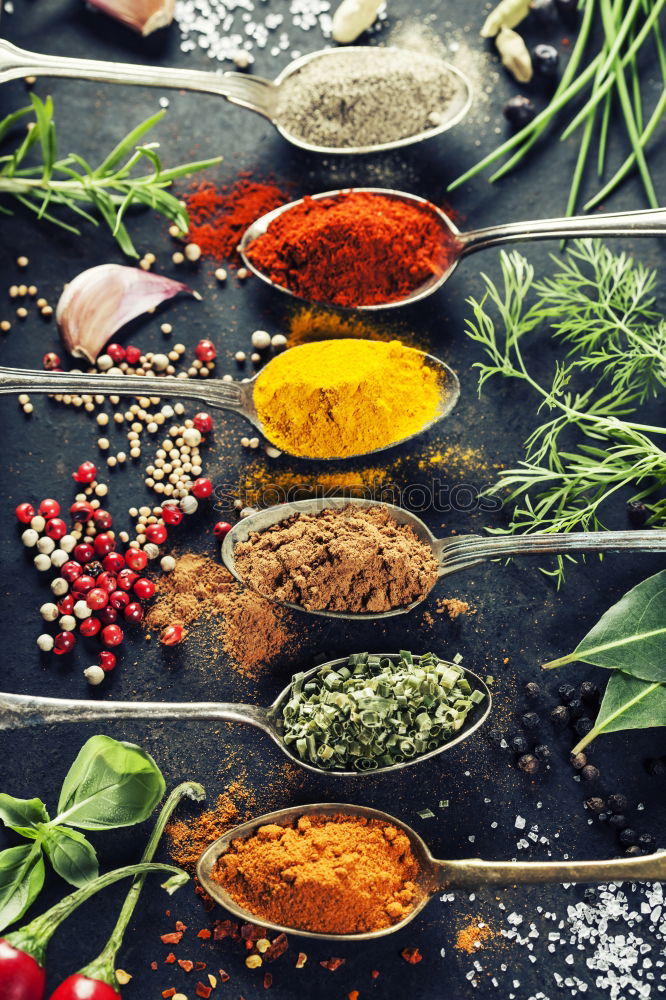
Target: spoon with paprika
x: 19, y: 711
x: 451, y: 555
x: 283, y: 377
x: 263, y: 96
x: 434, y: 876
x: 376, y: 248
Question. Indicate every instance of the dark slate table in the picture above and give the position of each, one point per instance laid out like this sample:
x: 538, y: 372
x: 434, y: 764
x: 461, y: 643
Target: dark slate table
x: 521, y: 619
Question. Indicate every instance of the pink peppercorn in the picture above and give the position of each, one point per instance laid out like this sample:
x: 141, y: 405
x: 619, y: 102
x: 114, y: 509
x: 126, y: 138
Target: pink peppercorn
x: 25, y: 513
x: 144, y: 588
x: 112, y: 635
x: 156, y: 533
x: 64, y: 642
x: 49, y: 508
x: 201, y: 488
x: 203, y: 422
x: 85, y: 473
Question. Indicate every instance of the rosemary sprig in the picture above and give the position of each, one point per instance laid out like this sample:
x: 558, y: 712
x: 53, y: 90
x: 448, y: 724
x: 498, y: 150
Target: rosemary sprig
x: 628, y: 29
x: 118, y: 183
x: 600, y: 305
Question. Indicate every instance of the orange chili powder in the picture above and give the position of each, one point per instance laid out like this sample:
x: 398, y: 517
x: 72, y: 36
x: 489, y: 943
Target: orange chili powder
x: 220, y: 215
x: 471, y: 938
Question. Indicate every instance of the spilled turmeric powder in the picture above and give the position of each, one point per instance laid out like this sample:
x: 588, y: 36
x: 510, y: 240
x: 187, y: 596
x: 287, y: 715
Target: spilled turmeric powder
x: 338, y: 398
x: 337, y: 874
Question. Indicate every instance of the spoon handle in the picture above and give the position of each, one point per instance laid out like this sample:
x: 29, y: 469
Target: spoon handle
x: 648, y: 222
x: 21, y: 711
x: 251, y: 92
x: 469, y: 550
x: 226, y: 395
x: 475, y: 872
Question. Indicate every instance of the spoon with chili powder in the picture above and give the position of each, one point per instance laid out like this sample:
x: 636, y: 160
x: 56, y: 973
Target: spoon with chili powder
x: 433, y: 876
x: 20, y: 711
x: 376, y: 248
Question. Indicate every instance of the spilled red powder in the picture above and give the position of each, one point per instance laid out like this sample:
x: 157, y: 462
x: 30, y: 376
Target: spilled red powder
x: 219, y: 215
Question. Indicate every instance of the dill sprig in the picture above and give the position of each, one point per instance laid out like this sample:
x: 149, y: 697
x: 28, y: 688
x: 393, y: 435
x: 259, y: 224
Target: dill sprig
x: 611, y: 70
x: 600, y: 305
x: 119, y: 182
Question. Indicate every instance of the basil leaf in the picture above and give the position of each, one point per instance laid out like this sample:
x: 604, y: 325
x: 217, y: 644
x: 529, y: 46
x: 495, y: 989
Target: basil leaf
x: 628, y: 703
x: 630, y: 636
x: 71, y: 854
x: 22, y: 815
x: 110, y: 784
x: 21, y: 878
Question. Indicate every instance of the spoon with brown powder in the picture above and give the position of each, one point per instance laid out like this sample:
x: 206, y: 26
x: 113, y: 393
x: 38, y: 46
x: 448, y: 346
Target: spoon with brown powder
x: 354, y: 558
x: 19, y: 711
x: 434, y: 875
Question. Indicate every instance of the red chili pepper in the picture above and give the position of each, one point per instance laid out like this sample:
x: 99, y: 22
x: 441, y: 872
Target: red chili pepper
x: 97, y: 980
x: 22, y: 976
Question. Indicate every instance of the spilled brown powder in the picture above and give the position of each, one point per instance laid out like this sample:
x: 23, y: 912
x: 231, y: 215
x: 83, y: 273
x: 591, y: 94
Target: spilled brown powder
x: 346, y: 559
x: 189, y: 838
x: 251, y: 630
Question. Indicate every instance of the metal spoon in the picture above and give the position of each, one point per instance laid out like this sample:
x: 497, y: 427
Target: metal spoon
x: 252, y: 92
x: 435, y: 875
x: 648, y: 222
x: 20, y: 711
x: 453, y: 554
x: 235, y: 396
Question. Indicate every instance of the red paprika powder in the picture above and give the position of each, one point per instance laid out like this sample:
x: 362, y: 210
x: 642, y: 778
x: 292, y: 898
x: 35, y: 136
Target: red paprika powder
x: 356, y: 248
x: 220, y: 215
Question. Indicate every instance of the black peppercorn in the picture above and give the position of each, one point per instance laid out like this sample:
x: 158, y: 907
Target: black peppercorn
x: 519, y: 111
x: 530, y: 720
x: 518, y: 743
x: 528, y: 763
x: 583, y: 726
x: 543, y: 752
x: 532, y: 689
x: 595, y: 804
x: 545, y: 59
x: 94, y: 569
x: 559, y: 715
x: 589, y: 692
x: 633, y: 851
x: 647, y: 842
x: 496, y: 735
x: 627, y: 837
x: 590, y: 894
x: 576, y: 708
x: 637, y: 513
x: 618, y: 821
x: 656, y: 766
x: 578, y: 761
x: 567, y: 692
x: 617, y: 802
x: 589, y: 772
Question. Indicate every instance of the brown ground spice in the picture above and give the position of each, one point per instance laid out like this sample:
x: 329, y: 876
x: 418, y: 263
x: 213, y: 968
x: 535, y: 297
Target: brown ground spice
x: 471, y: 937
x: 453, y: 607
x: 347, y: 559
x: 251, y: 630
x: 189, y: 838
x: 330, y: 874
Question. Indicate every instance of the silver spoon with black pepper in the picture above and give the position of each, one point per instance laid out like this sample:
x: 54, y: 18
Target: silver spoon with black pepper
x: 435, y: 876
x: 454, y: 244
x: 251, y: 92
x: 237, y: 396
x: 20, y: 711
x: 451, y: 555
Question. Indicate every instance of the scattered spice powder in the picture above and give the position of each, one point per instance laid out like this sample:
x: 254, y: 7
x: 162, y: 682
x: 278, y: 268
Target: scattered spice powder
x: 189, y: 838
x: 453, y: 607
x: 219, y: 215
x: 199, y: 590
x: 471, y: 937
x: 346, y: 559
x: 338, y: 874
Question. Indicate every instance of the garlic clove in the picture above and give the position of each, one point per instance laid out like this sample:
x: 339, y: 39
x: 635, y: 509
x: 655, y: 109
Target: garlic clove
x: 99, y: 301
x: 144, y: 16
x: 514, y: 54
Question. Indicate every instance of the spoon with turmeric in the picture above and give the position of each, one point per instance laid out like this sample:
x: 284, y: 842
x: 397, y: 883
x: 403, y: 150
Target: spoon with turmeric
x: 376, y: 248
x: 333, y: 399
x: 280, y: 722
x: 418, y: 877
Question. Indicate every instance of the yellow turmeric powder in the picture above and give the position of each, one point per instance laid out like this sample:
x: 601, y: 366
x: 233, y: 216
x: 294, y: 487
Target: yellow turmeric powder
x: 337, y: 398
x: 337, y: 874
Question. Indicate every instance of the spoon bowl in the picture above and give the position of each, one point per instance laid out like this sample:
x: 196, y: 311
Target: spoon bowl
x: 18, y: 711
x: 434, y: 877
x: 252, y: 92
x: 237, y: 396
x: 649, y: 222
x: 459, y: 552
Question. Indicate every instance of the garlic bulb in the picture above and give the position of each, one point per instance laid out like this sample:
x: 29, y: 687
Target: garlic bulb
x: 515, y: 55
x: 143, y: 16
x: 352, y: 18
x: 99, y: 301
